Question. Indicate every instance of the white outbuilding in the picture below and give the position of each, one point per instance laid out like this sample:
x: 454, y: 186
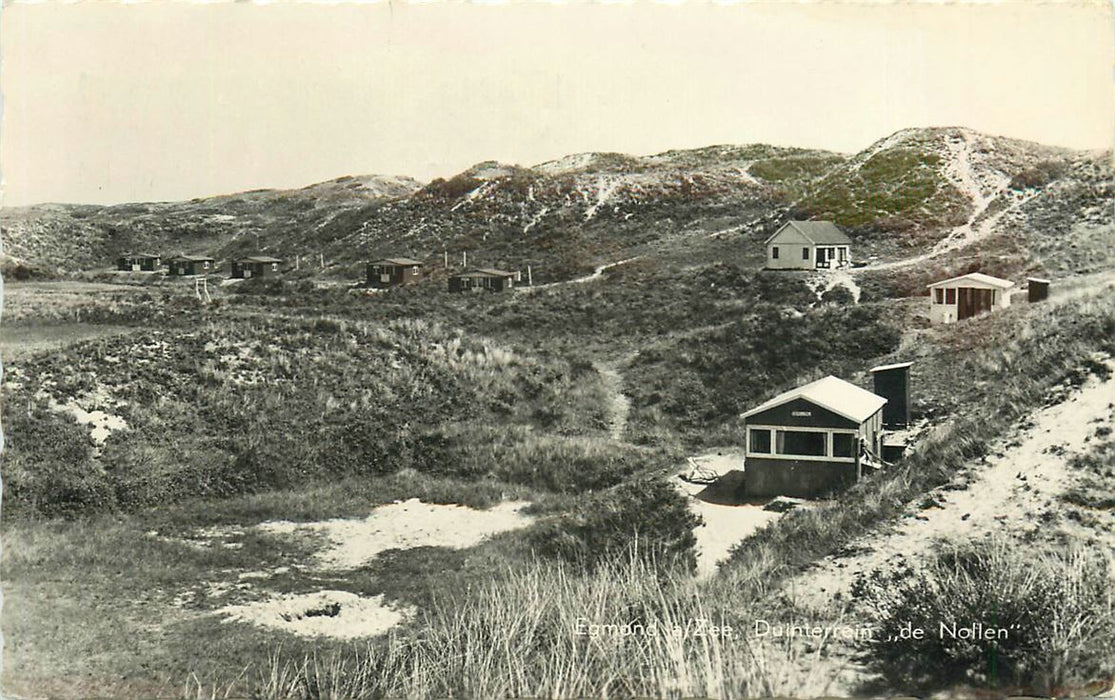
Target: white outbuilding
x: 958, y: 298
x: 808, y: 245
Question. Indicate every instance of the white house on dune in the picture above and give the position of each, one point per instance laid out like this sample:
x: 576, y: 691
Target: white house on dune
x: 808, y: 245
x: 958, y: 298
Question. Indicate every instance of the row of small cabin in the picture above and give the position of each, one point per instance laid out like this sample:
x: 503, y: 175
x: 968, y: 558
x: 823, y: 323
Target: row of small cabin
x: 796, y: 245
x: 394, y: 272
x: 380, y: 274
x: 188, y: 265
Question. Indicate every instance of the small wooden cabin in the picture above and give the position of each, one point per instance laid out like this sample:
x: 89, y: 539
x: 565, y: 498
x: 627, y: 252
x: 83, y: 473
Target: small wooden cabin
x: 393, y: 272
x: 482, y: 279
x: 958, y: 298
x: 255, y: 266
x: 184, y: 265
x: 139, y: 262
x: 811, y: 441
x: 808, y: 245
x: 1037, y: 289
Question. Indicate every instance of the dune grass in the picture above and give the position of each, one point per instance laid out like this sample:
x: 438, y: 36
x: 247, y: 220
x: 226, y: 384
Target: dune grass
x: 1050, y: 615
x: 628, y: 629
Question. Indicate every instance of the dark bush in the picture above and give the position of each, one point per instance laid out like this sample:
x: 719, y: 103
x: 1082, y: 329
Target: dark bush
x: 48, y: 466
x: 1039, y: 175
x: 1056, y: 610
x: 647, y: 517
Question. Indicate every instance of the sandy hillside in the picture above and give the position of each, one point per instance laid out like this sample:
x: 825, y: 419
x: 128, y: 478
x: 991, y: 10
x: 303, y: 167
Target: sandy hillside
x: 1013, y: 490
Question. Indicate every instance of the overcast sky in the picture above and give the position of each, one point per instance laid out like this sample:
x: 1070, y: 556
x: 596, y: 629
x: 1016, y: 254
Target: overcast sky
x: 111, y: 102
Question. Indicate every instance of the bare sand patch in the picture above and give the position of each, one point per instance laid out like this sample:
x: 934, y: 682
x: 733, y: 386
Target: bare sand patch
x: 724, y: 525
x: 405, y: 525
x: 334, y: 614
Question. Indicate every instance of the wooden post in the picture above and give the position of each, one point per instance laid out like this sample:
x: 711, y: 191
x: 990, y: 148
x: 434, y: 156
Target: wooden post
x: 321, y: 257
x: 530, y: 277
x: 445, y: 254
x: 464, y: 259
x: 297, y: 261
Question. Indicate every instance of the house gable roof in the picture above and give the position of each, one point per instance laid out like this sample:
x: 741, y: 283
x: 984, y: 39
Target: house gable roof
x: 976, y: 278
x: 405, y: 262
x: 816, y: 232
x: 833, y: 394
x: 148, y: 256
x: 485, y: 272
x: 259, y: 259
x: 191, y: 258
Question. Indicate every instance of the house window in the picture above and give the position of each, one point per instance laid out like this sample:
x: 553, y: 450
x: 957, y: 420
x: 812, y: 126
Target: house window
x: 801, y: 442
x: 758, y: 440
x: 950, y: 296
x: 843, y: 445
x: 414, y: 269
x: 939, y: 295
x: 274, y: 266
x: 774, y: 253
x: 804, y: 253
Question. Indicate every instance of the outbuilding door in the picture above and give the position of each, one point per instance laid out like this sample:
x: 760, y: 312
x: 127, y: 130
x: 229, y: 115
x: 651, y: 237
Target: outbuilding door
x: 971, y: 301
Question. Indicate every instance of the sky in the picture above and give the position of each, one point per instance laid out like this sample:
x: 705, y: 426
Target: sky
x: 106, y: 102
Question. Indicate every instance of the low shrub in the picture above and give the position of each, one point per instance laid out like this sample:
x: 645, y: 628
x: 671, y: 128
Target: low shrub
x: 48, y: 466
x: 995, y: 615
x: 646, y: 518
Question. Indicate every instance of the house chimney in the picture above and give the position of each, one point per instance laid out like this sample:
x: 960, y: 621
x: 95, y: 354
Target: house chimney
x: 892, y: 382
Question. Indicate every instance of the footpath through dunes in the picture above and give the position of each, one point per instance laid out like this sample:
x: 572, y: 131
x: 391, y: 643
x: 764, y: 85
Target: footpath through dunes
x: 1020, y: 491
x: 1016, y: 490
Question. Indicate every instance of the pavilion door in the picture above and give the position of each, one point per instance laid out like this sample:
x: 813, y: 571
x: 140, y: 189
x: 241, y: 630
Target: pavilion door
x: 970, y: 302
x: 964, y: 307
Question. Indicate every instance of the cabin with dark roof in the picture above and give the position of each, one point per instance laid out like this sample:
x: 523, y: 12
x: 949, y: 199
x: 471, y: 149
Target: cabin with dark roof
x: 813, y: 440
x: 393, y: 272
x: 139, y: 262
x: 808, y: 245
x: 958, y: 298
x: 255, y: 266
x: 186, y: 265
x: 481, y: 279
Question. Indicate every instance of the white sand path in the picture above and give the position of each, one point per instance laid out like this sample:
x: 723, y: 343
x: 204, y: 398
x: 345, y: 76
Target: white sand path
x: 1008, y: 491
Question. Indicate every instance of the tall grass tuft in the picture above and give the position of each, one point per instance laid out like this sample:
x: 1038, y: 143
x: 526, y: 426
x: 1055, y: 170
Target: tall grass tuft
x: 1056, y: 610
